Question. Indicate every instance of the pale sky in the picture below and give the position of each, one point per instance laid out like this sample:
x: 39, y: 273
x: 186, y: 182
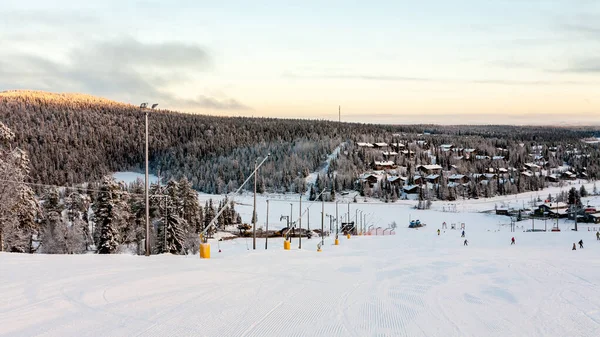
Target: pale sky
x: 447, y: 62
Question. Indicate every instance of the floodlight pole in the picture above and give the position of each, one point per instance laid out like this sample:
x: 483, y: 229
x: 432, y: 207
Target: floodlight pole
x: 348, y: 218
x: 336, y: 212
x: 291, y: 221
x: 322, y: 221
x: 143, y: 107
x: 300, y: 225
x: 254, y: 208
x: 267, y: 232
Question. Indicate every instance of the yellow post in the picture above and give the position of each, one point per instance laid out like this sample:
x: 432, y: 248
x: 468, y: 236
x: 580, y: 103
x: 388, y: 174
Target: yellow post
x: 348, y: 236
x: 205, y: 250
x: 337, y: 242
x: 286, y: 245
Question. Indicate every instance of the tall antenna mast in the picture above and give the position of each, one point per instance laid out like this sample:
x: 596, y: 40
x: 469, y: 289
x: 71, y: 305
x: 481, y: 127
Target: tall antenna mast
x: 340, y: 114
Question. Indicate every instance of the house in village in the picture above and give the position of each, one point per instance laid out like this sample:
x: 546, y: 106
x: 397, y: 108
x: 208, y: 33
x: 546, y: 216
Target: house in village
x: 553, y: 210
x: 370, y: 179
x: 446, y: 147
x: 380, y: 145
x: 458, y: 179
x: 433, y: 178
x: 429, y: 169
x: 569, y: 175
x: 364, y: 145
x: 411, y: 189
x: 478, y: 177
x: 384, y: 165
x: 388, y: 154
x: 532, y: 167
x: 397, y: 180
x: 397, y: 146
x: 553, y: 178
x: 527, y: 174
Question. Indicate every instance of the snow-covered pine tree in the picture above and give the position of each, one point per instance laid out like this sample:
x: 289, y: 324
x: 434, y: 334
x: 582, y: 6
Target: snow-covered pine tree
x: 18, y: 205
x: 137, y: 207
x: 172, y: 228
x: 106, y: 215
x: 78, y: 236
x: 54, y: 228
x: 191, y: 210
x: 583, y: 192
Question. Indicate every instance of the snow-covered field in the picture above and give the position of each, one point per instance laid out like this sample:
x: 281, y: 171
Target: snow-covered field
x: 414, y: 283
x: 129, y: 177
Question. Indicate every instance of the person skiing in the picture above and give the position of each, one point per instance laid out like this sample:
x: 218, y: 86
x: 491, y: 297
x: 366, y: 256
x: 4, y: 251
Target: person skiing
x: 580, y: 243
x: 597, y: 235
x: 463, y: 234
x: 438, y: 231
x: 466, y: 242
x: 512, y: 241
x: 574, y: 246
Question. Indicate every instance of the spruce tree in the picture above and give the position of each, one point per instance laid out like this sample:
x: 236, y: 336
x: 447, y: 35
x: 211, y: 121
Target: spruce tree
x: 190, y: 206
x: 105, y: 216
x: 172, y: 228
x: 583, y: 192
x: 18, y: 206
x: 54, y: 228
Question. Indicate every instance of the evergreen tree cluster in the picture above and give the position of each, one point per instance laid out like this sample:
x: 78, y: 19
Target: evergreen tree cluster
x: 106, y: 217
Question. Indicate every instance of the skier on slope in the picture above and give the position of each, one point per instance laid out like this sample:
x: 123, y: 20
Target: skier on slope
x: 574, y: 246
x: 463, y: 234
x: 580, y: 243
x: 597, y: 235
x: 438, y: 231
x: 512, y: 241
x: 466, y: 242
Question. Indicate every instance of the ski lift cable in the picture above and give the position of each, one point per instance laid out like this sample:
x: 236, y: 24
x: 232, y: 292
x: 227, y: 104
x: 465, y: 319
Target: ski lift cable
x: 77, y: 188
x: 214, y: 220
x: 301, y: 215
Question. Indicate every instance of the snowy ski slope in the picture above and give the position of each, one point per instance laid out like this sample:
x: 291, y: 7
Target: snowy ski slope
x: 415, y: 283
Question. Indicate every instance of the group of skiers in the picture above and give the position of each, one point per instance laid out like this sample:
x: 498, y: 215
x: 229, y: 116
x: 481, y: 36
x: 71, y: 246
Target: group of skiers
x: 513, y: 242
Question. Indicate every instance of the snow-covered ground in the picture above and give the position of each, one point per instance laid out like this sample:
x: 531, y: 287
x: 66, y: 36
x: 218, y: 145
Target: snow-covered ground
x: 382, y: 214
x: 129, y: 177
x: 312, y: 178
x: 414, y: 283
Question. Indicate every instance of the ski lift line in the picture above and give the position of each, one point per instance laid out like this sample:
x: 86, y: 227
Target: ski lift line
x: 357, y: 203
x: 214, y: 220
x: 301, y: 215
x: 79, y: 188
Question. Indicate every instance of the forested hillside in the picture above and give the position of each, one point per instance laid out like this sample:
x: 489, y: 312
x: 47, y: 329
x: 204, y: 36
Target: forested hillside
x: 74, y: 138
x: 78, y: 138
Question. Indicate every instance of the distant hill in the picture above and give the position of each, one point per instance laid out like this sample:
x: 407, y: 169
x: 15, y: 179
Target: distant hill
x: 73, y: 138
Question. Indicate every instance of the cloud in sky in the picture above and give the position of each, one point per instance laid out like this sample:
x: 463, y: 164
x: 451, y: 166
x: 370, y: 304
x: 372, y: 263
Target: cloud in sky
x: 509, y: 56
x: 584, y: 66
x: 392, y: 78
x: 125, y: 68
